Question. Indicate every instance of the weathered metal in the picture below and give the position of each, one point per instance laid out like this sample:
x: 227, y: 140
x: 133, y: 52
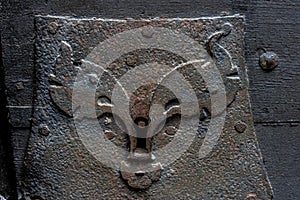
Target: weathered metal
x: 58, y: 164
x: 268, y: 61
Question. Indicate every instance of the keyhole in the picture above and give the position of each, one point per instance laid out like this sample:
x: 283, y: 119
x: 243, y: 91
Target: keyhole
x: 141, y: 132
x: 141, y: 143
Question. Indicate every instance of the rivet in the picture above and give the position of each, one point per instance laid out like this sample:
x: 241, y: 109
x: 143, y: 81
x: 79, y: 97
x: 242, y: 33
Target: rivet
x: 268, y: 61
x: 19, y: 86
x: 52, y: 27
x: 44, y: 130
x: 240, y: 126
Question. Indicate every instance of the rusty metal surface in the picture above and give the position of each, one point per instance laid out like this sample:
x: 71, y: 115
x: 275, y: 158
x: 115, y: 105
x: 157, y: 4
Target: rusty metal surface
x: 58, y: 164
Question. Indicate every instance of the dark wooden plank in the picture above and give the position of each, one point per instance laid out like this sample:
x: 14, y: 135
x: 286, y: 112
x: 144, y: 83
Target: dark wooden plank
x: 19, y: 140
x: 7, y: 174
x: 275, y: 26
x: 20, y: 116
x: 279, y: 144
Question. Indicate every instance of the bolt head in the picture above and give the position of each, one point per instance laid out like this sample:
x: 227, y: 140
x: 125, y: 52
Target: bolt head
x: 268, y: 61
x: 240, y: 126
x: 20, y: 86
x: 44, y: 130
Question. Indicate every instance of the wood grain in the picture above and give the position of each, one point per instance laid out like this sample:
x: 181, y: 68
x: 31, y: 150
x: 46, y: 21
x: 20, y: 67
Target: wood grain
x: 7, y: 175
x: 279, y: 144
x: 275, y: 26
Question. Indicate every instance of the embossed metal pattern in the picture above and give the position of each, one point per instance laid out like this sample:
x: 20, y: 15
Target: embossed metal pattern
x: 58, y: 164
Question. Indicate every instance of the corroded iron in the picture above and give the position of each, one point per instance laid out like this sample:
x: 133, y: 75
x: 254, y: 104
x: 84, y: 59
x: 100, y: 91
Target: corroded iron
x: 60, y: 165
x: 268, y: 61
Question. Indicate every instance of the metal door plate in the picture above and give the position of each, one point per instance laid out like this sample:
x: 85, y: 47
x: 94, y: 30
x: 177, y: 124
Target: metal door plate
x: 83, y: 68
